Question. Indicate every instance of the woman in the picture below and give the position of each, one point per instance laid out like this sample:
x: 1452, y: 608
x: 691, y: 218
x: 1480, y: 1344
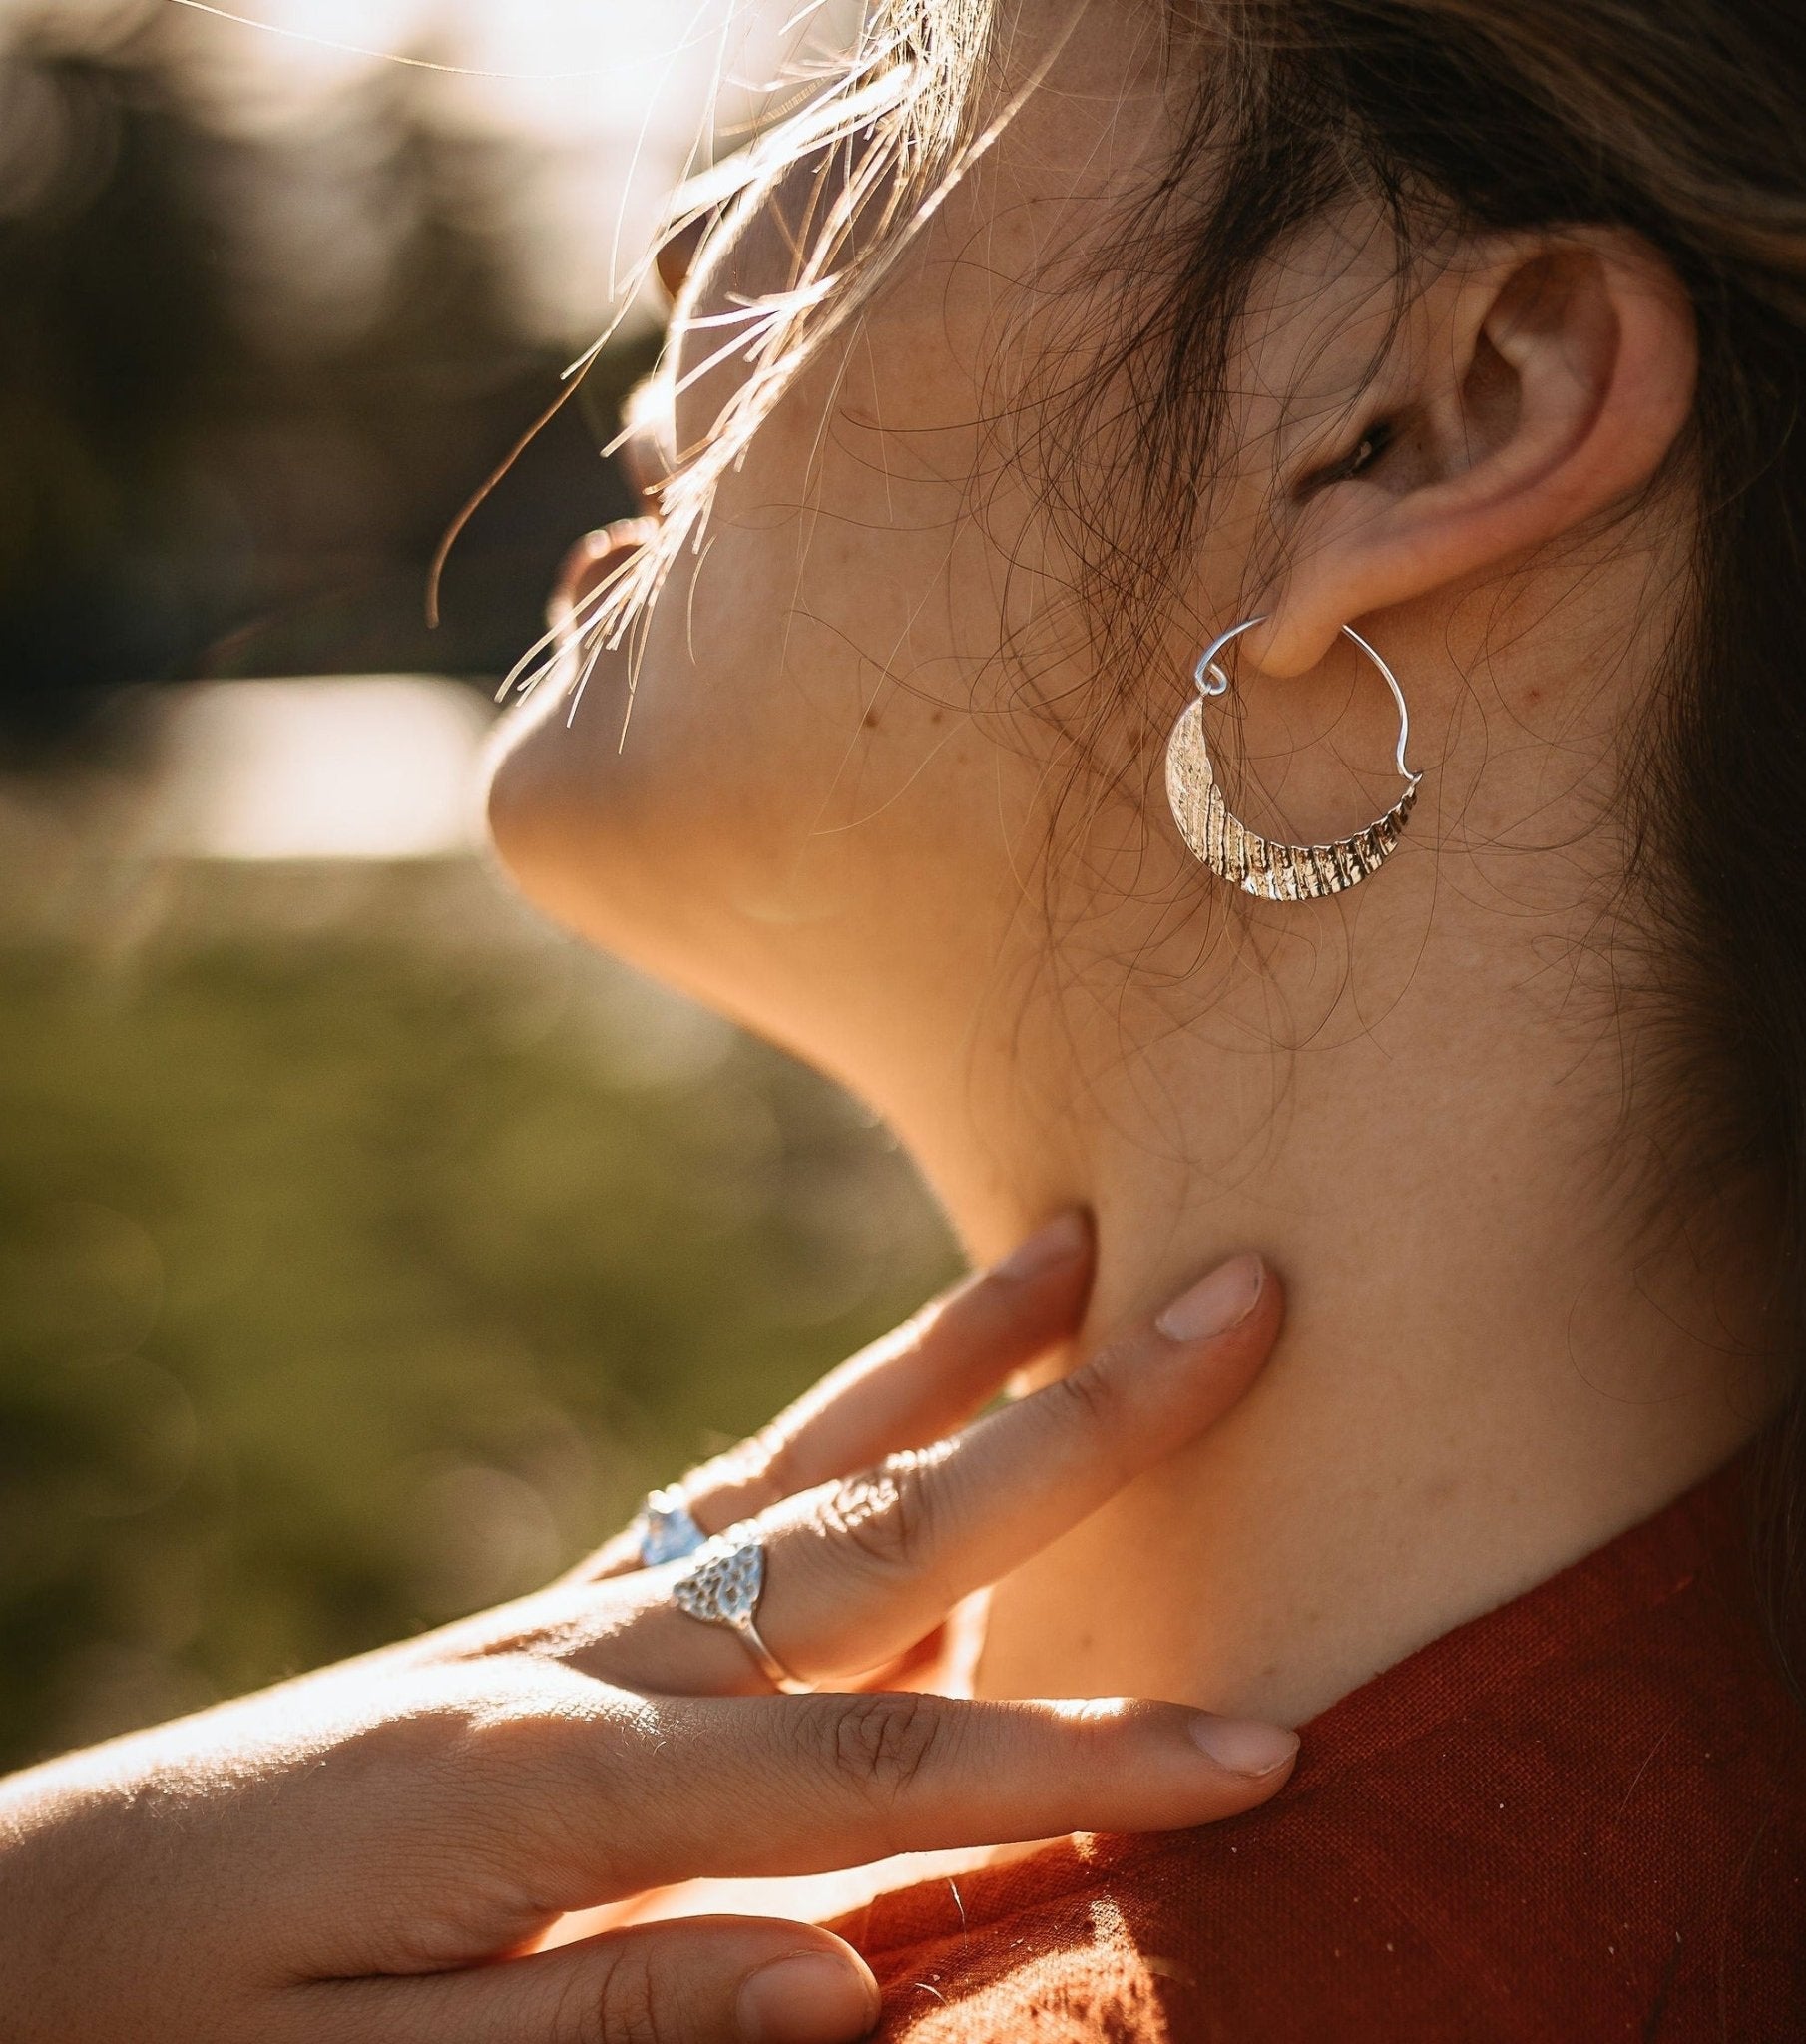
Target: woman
x: 1121, y: 345
x: 1066, y: 354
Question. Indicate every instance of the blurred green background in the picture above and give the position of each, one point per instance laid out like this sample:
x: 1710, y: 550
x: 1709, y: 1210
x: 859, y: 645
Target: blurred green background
x: 366, y: 1247
x: 365, y: 1250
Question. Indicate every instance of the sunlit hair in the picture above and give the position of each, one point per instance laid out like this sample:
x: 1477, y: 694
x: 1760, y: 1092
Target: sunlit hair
x: 879, y: 140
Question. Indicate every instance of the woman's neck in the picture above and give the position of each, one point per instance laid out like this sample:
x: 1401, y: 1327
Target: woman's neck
x: 1475, y: 1388
x: 1488, y: 1367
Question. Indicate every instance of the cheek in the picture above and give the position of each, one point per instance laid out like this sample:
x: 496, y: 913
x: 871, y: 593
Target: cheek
x: 785, y: 766
x: 738, y: 734
x: 793, y: 744
x: 817, y: 666
x: 817, y: 756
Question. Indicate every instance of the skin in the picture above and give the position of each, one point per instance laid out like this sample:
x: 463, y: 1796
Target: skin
x: 387, y: 1848
x: 836, y: 813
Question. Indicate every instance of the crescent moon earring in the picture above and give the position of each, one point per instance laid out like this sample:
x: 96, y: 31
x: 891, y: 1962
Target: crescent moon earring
x: 1242, y: 858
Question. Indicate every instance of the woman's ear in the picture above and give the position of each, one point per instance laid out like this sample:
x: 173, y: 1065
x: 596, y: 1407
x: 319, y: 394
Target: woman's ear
x: 1532, y: 387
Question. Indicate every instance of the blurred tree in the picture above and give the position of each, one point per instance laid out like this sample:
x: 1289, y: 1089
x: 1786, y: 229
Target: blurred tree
x: 115, y: 559
x: 211, y: 465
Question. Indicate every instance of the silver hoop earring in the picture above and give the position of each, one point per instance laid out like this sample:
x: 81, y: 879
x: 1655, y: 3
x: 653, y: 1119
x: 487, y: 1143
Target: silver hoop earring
x: 1256, y: 865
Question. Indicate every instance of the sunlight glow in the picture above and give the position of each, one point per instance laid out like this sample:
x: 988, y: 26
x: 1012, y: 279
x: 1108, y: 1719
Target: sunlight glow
x: 383, y: 766
x: 623, y: 97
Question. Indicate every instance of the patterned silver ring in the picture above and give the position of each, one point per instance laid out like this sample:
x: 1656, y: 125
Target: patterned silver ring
x: 722, y: 1586
x: 664, y: 1529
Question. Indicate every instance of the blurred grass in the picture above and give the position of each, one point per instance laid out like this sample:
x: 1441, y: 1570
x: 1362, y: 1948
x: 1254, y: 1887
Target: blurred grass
x: 364, y: 1251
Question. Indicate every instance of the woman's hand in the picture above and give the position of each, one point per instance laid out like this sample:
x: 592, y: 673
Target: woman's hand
x: 372, y: 1852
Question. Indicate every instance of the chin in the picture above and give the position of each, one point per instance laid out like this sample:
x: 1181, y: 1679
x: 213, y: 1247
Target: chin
x: 618, y: 849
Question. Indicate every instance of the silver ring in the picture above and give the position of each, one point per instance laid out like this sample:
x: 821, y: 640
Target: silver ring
x: 722, y: 1586
x: 664, y: 1529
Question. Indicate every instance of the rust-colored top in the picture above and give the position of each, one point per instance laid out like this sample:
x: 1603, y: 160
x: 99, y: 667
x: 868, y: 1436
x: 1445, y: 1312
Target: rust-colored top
x: 1581, y: 1817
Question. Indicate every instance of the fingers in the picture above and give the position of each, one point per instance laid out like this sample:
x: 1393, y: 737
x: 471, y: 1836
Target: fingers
x: 856, y: 1571
x: 567, y: 1793
x: 801, y: 1784
x: 906, y: 1389
x: 911, y: 1386
x: 706, y: 1980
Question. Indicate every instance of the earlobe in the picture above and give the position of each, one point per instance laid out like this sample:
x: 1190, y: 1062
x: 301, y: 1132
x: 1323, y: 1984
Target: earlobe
x: 1554, y: 379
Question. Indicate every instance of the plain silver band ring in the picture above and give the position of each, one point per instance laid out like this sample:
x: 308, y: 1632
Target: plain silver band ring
x: 771, y: 1667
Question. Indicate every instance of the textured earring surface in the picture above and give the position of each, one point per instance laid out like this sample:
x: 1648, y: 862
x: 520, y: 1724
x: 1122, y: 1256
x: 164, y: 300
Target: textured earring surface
x: 1245, y: 859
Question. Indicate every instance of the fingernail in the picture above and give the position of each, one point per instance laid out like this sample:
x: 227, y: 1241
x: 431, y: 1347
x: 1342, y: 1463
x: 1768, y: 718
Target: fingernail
x: 1243, y: 1745
x: 1215, y: 1304
x: 808, y: 1998
x: 1058, y: 1242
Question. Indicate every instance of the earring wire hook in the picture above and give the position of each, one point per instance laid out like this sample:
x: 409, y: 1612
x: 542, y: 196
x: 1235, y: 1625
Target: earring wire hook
x: 1211, y: 680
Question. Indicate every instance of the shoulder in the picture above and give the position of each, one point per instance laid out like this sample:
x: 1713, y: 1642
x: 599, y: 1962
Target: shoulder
x: 1581, y: 1817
